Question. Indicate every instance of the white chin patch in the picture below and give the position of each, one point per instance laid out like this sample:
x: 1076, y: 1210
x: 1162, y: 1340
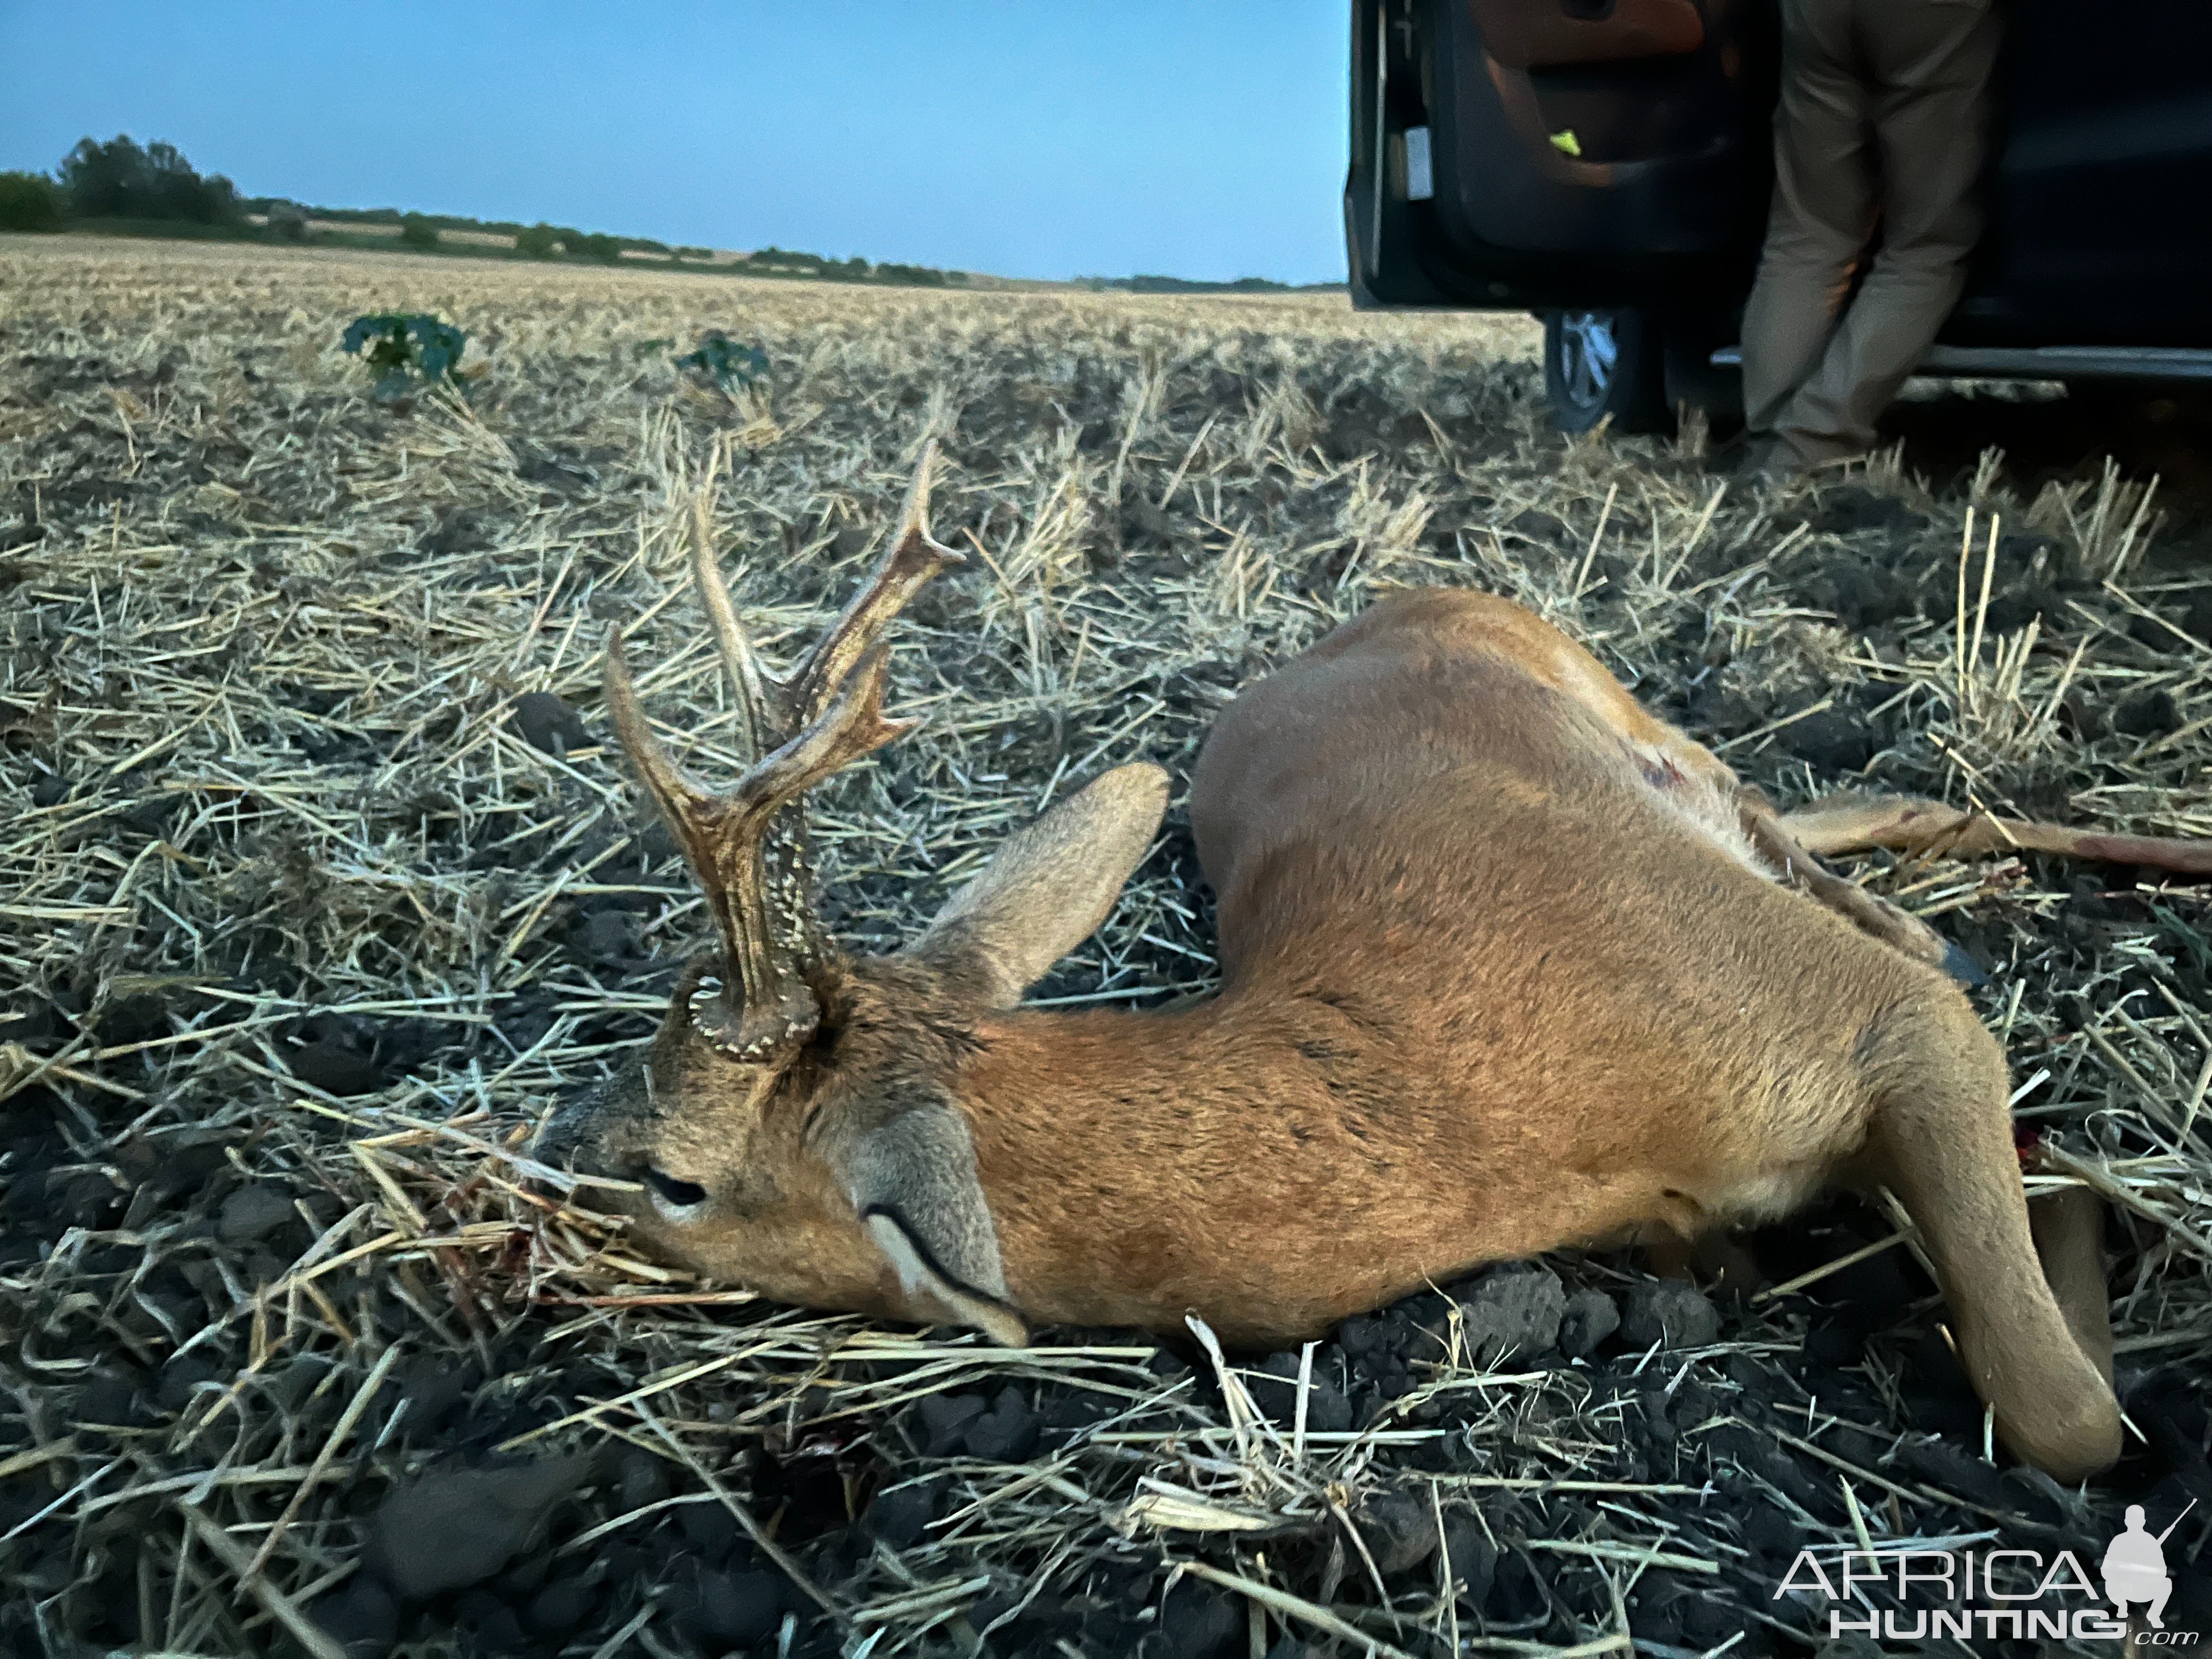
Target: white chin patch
x: 914, y: 1276
x: 928, y: 1291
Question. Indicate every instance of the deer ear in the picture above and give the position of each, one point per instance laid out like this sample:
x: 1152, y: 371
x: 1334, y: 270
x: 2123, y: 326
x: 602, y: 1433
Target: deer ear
x: 1048, y: 887
x: 911, y: 1175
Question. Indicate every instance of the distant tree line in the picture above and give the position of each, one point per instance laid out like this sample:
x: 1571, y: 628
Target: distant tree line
x: 787, y: 262
x: 31, y: 201
x: 1185, y: 285
x: 124, y: 185
x: 550, y: 241
x: 119, y: 179
x: 544, y: 241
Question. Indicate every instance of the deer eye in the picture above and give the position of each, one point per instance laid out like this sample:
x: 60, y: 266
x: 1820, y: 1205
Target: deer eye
x: 679, y: 1194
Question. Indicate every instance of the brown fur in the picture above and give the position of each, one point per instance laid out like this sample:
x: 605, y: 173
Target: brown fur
x: 1508, y: 966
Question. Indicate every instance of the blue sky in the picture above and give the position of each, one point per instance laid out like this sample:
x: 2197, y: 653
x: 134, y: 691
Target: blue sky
x: 1054, y: 138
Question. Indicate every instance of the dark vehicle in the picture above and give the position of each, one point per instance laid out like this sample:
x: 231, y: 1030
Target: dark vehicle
x: 1605, y: 164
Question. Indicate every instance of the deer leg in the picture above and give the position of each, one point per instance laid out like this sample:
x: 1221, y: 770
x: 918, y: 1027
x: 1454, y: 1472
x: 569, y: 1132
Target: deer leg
x: 1940, y: 1138
x: 1854, y: 823
x: 1669, y: 757
x: 2069, y: 1229
x: 1870, y: 912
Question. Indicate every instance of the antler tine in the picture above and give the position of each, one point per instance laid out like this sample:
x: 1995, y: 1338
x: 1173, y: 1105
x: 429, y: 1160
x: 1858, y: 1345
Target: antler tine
x: 676, y: 797
x: 766, y: 939
x: 763, y: 721
x: 850, y: 728
x: 747, y: 847
x: 913, y: 558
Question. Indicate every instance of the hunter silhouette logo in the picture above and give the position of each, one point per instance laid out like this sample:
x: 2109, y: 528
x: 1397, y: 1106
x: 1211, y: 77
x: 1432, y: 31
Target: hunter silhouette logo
x: 2135, y: 1566
x: 2015, y: 1594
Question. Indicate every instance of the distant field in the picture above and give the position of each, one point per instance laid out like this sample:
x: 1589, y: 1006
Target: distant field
x: 347, y: 226
x: 305, y: 921
x: 486, y: 238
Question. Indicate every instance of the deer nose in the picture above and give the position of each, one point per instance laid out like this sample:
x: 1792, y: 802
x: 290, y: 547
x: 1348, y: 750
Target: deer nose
x: 561, y: 1136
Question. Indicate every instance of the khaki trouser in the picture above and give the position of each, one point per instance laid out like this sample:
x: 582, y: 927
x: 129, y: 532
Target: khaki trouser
x: 1882, y: 124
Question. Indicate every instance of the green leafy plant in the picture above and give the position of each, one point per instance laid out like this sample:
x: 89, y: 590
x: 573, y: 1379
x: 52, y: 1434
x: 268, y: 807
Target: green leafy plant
x: 537, y: 241
x: 417, y: 231
x: 403, y: 352
x: 729, y: 366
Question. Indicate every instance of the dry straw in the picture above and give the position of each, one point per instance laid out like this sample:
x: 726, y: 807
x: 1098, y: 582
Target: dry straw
x: 307, y: 933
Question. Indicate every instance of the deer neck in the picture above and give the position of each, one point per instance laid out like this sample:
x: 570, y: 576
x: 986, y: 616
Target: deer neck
x: 1131, y: 1159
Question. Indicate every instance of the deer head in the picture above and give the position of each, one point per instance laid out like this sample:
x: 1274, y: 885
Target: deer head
x: 797, y: 1124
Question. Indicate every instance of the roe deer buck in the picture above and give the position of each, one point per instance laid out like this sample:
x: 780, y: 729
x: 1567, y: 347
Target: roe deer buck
x: 1507, y: 965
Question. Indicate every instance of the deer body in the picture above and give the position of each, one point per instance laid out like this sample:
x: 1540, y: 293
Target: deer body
x: 1489, y: 990
x: 1507, y: 965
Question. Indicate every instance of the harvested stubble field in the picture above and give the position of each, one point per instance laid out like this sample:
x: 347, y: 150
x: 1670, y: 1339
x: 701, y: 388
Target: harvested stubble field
x: 314, y: 901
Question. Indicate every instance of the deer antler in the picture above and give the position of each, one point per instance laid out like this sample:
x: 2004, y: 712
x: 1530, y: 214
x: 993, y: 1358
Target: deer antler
x: 747, y: 850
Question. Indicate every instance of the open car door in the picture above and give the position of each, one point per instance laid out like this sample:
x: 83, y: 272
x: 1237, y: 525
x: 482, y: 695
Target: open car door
x: 1539, y: 154
x: 1564, y: 156
x: 1606, y: 163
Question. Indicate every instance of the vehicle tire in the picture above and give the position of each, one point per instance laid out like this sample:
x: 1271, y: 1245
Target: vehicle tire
x: 1598, y: 363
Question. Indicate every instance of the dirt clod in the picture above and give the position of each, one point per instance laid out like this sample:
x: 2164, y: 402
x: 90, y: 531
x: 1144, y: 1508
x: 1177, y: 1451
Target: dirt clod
x: 139, y: 1018
x: 1275, y: 1391
x: 1589, y: 1316
x: 336, y: 1067
x: 1474, y: 1557
x: 733, y: 1609
x: 1200, y: 1622
x: 945, y: 1420
x: 252, y: 1212
x: 548, y: 724
x: 1006, y: 1433
x: 444, y: 1531
x: 362, y: 1617
x: 1670, y: 1313
x: 1400, y: 1529
x: 709, y: 1530
x: 899, y: 1517
x: 559, y: 1607
x: 2151, y: 714
x: 1514, y: 1311
x: 641, y: 1479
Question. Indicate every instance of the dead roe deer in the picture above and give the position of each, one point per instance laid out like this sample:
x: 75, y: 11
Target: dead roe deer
x: 1507, y: 965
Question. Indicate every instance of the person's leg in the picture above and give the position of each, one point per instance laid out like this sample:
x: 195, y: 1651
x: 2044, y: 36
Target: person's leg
x: 1823, y: 209
x: 1931, y: 60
